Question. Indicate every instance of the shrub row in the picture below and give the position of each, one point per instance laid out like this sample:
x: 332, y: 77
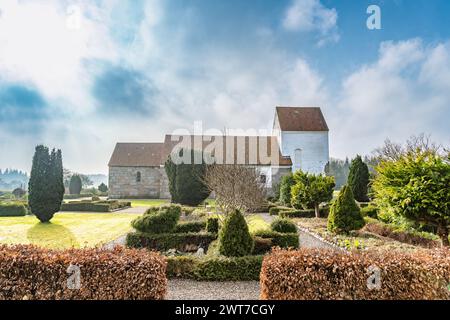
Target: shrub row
x: 415, y: 238
x: 313, y: 274
x: 282, y: 240
x: 95, y: 206
x: 191, y: 226
x: 12, y: 210
x: 185, y: 242
x: 104, y: 275
x: 305, y: 213
x: 283, y: 225
x: 158, y: 220
x: 276, y: 210
x: 215, y: 269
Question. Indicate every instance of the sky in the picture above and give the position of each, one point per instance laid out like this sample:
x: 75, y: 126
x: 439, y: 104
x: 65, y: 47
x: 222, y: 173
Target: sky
x: 83, y: 75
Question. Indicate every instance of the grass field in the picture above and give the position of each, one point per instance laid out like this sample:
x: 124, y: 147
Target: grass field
x: 148, y: 202
x: 257, y: 223
x: 66, y: 230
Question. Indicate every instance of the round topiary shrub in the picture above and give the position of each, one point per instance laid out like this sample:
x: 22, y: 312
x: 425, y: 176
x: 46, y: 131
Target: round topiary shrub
x: 283, y: 225
x: 159, y: 221
x: 234, y: 237
x: 345, y: 214
x: 212, y: 225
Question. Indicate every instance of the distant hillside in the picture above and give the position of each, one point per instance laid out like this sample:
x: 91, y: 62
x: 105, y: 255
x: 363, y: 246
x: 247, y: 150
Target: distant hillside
x: 13, y: 178
x: 98, y: 179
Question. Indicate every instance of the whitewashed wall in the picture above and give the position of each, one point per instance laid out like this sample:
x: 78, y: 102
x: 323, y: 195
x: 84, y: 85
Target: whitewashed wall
x: 314, y: 149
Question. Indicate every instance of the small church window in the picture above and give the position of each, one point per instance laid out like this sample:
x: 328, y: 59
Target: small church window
x: 298, y: 159
x: 138, y: 177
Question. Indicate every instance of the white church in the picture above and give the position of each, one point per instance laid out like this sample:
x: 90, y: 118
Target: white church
x: 299, y: 142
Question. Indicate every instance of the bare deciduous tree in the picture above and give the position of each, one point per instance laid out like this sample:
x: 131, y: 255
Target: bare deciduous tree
x: 236, y: 187
x: 392, y: 151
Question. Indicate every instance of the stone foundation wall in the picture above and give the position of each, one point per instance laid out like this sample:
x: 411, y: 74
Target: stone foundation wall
x: 123, y: 182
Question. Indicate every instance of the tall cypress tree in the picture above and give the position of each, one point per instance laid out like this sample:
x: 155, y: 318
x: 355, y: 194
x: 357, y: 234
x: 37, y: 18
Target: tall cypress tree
x: 45, y: 188
x: 186, y: 184
x: 358, y: 179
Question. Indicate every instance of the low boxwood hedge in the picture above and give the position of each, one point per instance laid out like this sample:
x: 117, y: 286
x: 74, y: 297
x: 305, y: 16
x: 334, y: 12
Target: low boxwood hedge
x: 262, y: 245
x: 276, y: 210
x: 215, y: 268
x: 12, y: 210
x: 95, y: 206
x: 306, y: 213
x: 192, y: 226
x: 158, y: 220
x: 282, y: 240
x: 185, y: 242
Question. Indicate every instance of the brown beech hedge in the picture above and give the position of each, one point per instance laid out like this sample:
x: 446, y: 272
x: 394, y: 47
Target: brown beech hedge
x: 309, y: 274
x: 31, y: 273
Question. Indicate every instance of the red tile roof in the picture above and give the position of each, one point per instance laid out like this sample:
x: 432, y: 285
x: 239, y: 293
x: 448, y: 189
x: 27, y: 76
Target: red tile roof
x: 301, y: 119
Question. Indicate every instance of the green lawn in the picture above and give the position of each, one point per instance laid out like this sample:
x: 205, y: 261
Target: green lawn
x: 66, y: 230
x: 257, y: 223
x: 148, y: 202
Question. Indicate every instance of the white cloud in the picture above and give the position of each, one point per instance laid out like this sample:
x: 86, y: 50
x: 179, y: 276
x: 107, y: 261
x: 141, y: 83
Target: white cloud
x: 312, y: 16
x: 405, y: 92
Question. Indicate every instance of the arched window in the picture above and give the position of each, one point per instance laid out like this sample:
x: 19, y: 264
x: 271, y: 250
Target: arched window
x: 138, y: 177
x: 298, y: 159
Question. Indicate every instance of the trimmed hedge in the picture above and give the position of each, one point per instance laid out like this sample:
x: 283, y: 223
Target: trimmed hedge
x: 212, y: 225
x: 282, y: 240
x: 12, y: 210
x: 221, y: 268
x: 276, y: 210
x: 306, y: 213
x: 119, y: 274
x: 314, y: 274
x: 262, y: 245
x: 95, y: 206
x: 181, y: 266
x: 193, y: 226
x: 283, y: 225
x: 77, y: 196
x: 158, y: 220
x: 185, y: 242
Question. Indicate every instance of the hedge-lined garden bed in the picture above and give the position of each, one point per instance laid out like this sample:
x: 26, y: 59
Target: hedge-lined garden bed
x: 185, y: 242
x: 217, y: 268
x: 422, y: 239
x: 327, y: 274
x: 287, y: 212
x: 104, y: 275
x: 159, y: 229
x: 95, y: 206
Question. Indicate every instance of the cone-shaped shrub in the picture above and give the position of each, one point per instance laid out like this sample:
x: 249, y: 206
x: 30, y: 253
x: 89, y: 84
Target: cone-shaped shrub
x: 234, y: 238
x: 358, y: 179
x: 345, y: 214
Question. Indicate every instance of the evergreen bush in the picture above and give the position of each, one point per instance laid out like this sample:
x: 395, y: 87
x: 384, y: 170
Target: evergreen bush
x: 234, y: 237
x: 345, y: 215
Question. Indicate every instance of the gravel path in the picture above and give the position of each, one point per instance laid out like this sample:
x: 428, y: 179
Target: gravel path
x: 201, y: 290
